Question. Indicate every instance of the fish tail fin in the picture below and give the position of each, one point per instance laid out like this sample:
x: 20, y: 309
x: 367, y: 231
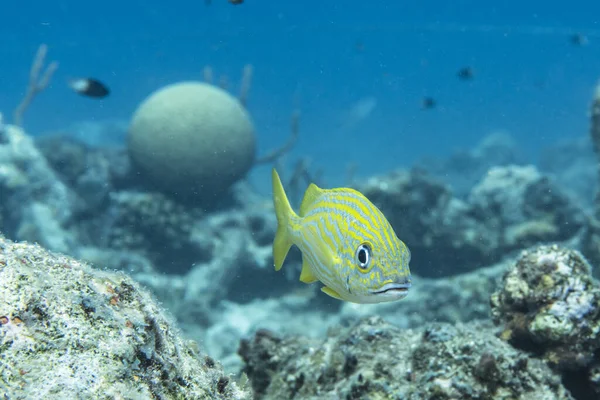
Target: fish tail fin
x: 286, y: 217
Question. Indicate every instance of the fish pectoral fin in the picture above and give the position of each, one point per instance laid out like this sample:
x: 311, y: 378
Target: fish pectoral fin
x: 329, y: 291
x: 307, y: 275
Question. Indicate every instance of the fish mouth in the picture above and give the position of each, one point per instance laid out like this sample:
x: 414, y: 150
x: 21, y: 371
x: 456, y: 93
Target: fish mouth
x: 393, y: 289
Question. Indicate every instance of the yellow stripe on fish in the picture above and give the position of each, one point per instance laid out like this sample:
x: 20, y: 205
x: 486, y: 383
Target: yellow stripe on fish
x: 346, y: 243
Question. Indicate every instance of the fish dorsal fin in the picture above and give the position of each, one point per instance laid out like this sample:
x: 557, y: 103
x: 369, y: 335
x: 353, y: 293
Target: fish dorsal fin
x: 310, y: 196
x: 307, y: 275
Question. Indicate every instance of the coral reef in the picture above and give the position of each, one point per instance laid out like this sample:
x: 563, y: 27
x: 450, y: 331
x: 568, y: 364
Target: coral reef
x: 591, y: 239
x: 512, y: 208
x: 76, y: 198
x: 156, y: 226
x: 547, y: 308
x: 432, y: 222
x: 549, y: 304
x: 375, y: 360
x: 464, y: 168
x: 69, y: 331
x: 92, y: 173
x: 462, y: 298
x: 212, y: 285
x: 595, y: 120
x: 524, y: 208
x: 35, y: 204
x: 572, y: 166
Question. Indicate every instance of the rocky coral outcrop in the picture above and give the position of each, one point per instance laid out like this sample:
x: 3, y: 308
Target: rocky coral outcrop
x: 69, y: 331
x: 548, y: 304
x: 375, y: 360
x: 155, y: 226
x: 545, y: 345
x: 443, y: 237
x: 511, y: 208
x: 522, y: 207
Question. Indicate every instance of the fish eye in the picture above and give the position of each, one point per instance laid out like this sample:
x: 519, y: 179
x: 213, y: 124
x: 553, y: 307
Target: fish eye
x: 363, y: 256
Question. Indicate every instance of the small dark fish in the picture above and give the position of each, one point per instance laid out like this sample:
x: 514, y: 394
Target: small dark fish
x: 236, y: 1
x: 465, y: 74
x: 578, y: 39
x: 89, y: 87
x: 428, y: 103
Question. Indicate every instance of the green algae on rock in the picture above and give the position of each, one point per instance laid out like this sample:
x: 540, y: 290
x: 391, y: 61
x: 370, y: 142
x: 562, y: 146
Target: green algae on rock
x: 69, y: 331
x: 375, y: 360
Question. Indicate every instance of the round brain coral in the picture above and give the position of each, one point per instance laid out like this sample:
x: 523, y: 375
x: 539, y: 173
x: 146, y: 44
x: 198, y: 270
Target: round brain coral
x: 192, y: 140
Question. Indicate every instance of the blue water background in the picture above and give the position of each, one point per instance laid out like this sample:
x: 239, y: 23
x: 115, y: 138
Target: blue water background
x: 324, y: 57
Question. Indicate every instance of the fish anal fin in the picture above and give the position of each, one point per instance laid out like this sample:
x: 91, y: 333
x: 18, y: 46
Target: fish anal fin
x: 307, y: 275
x: 329, y: 291
x: 281, y: 247
x: 311, y: 194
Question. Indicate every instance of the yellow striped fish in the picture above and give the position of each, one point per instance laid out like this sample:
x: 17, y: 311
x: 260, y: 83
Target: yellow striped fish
x: 346, y: 242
